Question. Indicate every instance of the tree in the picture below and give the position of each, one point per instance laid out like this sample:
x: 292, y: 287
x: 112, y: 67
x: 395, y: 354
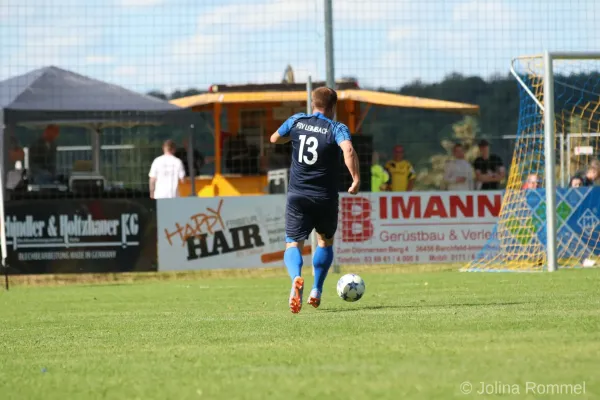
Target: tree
x: 158, y: 94
x: 185, y: 93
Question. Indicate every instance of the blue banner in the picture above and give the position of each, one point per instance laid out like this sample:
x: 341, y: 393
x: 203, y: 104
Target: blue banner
x: 521, y: 230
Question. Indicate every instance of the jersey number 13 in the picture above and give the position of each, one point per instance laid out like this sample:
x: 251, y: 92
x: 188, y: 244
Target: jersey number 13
x: 311, y: 150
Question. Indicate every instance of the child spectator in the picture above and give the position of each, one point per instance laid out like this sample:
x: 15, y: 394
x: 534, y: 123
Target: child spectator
x: 576, y: 182
x: 531, y: 182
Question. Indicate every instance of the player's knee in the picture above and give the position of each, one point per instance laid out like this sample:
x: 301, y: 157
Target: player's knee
x: 326, y: 243
x: 299, y: 244
x: 323, y: 241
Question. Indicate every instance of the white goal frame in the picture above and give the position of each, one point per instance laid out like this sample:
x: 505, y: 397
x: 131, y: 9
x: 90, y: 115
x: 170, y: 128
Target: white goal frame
x: 3, y: 250
x: 547, y: 108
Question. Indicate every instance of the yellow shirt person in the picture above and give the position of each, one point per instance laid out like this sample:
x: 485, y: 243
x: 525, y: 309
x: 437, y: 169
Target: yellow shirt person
x: 379, y: 176
x: 402, y: 173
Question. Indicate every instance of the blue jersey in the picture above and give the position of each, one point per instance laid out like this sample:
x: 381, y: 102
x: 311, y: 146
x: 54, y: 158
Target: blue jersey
x: 315, y: 169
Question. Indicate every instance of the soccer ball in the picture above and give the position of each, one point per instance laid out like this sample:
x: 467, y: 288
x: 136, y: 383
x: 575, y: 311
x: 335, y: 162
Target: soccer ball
x: 351, y: 287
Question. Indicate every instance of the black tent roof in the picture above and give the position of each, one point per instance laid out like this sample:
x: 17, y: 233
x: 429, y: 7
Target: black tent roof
x: 55, y: 94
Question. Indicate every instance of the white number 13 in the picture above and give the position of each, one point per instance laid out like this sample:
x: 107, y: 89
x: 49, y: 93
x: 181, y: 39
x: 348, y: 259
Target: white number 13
x: 311, y: 147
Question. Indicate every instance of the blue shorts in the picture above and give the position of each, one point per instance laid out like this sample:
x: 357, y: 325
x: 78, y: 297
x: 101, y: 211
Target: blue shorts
x: 303, y: 214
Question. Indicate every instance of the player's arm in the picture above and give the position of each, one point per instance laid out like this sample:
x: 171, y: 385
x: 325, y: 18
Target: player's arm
x: 351, y: 161
x: 276, y: 138
x: 282, y: 135
x: 341, y: 135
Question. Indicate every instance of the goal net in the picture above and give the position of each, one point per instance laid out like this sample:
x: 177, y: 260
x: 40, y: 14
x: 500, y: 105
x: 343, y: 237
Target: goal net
x: 543, y: 176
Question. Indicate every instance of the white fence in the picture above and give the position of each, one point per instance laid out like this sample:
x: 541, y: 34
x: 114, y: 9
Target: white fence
x: 121, y: 165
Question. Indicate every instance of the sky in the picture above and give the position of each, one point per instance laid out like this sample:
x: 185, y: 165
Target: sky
x: 178, y: 44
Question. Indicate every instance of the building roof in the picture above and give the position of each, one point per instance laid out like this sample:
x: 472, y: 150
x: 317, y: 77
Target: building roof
x: 364, y: 96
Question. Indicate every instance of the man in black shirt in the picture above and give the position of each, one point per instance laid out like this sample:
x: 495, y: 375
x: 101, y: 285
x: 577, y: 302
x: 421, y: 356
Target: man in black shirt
x: 198, y: 159
x: 489, y: 169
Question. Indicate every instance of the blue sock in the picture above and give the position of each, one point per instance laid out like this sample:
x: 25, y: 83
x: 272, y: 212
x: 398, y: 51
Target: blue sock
x: 322, y: 261
x: 293, y: 261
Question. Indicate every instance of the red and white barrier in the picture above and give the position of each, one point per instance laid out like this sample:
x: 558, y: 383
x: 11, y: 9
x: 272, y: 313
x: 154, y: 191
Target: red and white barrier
x: 374, y: 228
x: 392, y: 228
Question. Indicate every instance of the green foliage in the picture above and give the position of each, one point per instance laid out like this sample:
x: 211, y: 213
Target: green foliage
x: 464, y: 132
x: 421, y: 131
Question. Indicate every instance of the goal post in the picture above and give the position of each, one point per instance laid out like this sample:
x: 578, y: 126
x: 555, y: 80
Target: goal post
x: 549, y: 162
x: 3, y: 250
x: 546, y: 225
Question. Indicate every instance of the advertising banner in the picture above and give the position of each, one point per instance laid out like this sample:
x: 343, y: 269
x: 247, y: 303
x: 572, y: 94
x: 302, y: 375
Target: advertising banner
x: 397, y: 228
x: 374, y: 228
x: 73, y: 235
x: 577, y: 224
x: 222, y: 233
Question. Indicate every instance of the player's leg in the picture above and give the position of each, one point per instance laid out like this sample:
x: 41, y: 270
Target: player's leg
x: 298, y: 224
x: 323, y: 258
x: 292, y: 257
x: 293, y: 262
x: 322, y: 261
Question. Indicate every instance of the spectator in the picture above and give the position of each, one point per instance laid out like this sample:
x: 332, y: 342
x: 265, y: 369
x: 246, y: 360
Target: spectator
x: 16, y: 152
x: 576, y: 182
x: 489, y: 169
x: 458, y: 174
x: 197, y: 159
x: 379, y: 176
x: 590, y: 176
x: 166, y: 173
x: 42, y: 156
x: 531, y: 182
x: 401, y: 171
x: 596, y: 164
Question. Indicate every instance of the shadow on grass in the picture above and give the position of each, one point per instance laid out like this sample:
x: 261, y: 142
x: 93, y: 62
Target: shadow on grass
x: 423, y: 305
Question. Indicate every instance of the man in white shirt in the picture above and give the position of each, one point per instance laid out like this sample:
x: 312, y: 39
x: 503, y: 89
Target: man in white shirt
x: 459, y: 172
x: 165, y: 173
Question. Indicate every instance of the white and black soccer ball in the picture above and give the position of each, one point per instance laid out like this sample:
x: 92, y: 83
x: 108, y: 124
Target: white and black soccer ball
x: 351, y: 287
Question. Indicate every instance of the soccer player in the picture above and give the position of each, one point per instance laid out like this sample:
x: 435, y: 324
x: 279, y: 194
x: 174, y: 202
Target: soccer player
x: 312, y: 199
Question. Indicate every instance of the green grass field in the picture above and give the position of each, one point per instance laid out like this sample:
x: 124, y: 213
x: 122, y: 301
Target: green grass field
x: 413, y: 336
